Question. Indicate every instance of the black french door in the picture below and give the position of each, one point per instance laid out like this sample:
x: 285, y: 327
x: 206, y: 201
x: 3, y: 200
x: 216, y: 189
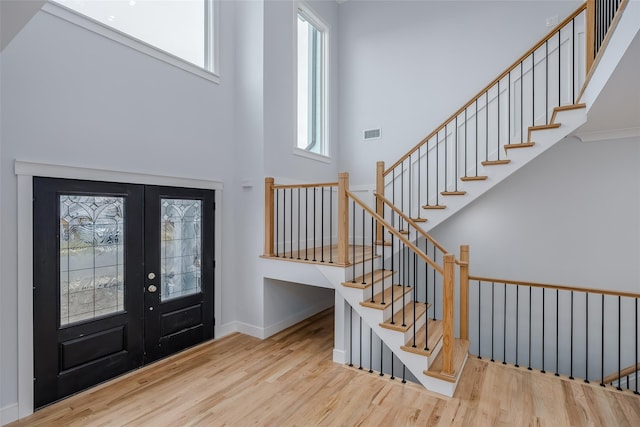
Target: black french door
x: 123, y: 276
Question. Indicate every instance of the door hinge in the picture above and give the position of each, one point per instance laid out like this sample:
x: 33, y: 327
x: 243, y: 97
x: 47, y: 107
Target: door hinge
x: 214, y: 321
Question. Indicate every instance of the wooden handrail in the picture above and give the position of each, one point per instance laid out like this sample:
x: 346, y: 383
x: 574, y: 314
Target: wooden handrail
x: 411, y: 222
x: 396, y: 233
x: 558, y: 287
x: 489, y: 86
x: 623, y: 373
x: 288, y: 186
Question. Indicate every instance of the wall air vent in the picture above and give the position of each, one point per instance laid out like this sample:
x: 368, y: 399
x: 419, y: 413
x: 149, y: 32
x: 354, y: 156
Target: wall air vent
x: 371, y: 134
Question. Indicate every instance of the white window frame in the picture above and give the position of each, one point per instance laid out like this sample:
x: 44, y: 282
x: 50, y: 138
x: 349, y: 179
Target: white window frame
x: 211, y: 39
x: 316, y: 21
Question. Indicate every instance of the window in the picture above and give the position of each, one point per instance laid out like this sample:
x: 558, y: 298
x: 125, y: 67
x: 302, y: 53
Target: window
x: 311, y: 84
x: 175, y: 28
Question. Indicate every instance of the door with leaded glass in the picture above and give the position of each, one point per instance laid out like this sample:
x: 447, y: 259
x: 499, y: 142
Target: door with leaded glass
x: 123, y: 275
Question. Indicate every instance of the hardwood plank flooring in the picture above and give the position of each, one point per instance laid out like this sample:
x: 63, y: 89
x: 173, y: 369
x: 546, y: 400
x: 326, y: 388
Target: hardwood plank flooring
x: 290, y: 380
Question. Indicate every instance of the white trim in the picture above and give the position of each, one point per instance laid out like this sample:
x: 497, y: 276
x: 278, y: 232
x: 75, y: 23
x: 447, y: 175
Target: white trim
x: 25, y: 172
x: 311, y: 155
x: 608, y: 135
x: 339, y: 356
x: 8, y: 414
x: 319, y: 23
x: 74, y: 172
x: 99, y: 28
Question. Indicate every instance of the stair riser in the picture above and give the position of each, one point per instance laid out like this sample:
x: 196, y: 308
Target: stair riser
x: 361, y: 267
x: 419, y: 324
x: 377, y: 287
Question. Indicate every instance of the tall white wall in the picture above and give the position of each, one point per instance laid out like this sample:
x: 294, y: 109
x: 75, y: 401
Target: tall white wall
x: 568, y: 217
x: 405, y: 66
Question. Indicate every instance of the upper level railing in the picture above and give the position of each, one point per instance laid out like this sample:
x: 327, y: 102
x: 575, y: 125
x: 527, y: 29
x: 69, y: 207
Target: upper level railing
x: 567, y: 330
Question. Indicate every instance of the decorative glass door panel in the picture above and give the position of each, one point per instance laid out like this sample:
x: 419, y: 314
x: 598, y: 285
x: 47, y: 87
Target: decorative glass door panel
x: 180, y: 247
x: 92, y: 266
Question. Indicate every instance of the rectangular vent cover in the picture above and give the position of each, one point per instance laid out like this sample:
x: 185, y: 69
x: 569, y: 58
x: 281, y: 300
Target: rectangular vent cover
x: 371, y: 134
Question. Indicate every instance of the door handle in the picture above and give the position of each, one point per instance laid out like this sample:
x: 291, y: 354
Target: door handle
x: 152, y: 288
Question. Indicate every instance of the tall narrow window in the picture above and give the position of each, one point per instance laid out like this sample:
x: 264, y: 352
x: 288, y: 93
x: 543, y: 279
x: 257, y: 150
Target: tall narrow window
x: 312, y: 76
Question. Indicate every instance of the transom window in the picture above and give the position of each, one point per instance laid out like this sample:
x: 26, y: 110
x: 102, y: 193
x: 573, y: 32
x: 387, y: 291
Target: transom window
x: 182, y: 28
x: 311, y: 83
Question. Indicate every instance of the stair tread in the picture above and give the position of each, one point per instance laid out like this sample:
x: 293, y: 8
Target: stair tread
x: 419, y: 219
x: 496, y: 162
x: 435, y: 334
x: 383, y: 243
x: 520, y: 145
x: 570, y: 107
x: 474, y: 178
x: 433, y: 207
x: 453, y: 193
x: 377, y: 276
x: 460, y: 352
x: 547, y: 126
x: 377, y: 299
x: 420, y: 309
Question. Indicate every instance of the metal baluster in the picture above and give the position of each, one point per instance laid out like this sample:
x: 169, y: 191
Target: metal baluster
x: 306, y: 223
x: 404, y: 369
x: 543, y: 318
x: 533, y: 88
x: 419, y: 166
x: 314, y: 224
x: 404, y: 281
x: 321, y: 224
x: 530, y: 291
x: 559, y: 67
x: 381, y: 358
x: 521, y: 105
x: 350, y: 335
x: 455, y: 157
x: 465, y: 144
x: 446, y: 149
x: 493, y: 286
x: 426, y: 297
x: 479, y: 319
x: 602, y: 343
x: 291, y: 224
x: 571, y: 345
x: 636, y: 347
x: 476, y: 136
x: 410, y: 187
x: 517, y: 321
x: 330, y: 225
x: 546, y: 81
x: 504, y: 328
x: 360, y: 347
x: 353, y: 242
x: 486, y: 126
x: 619, y: 341
x: 372, y: 253
x: 383, y: 260
x: 363, y: 249
x: 392, y: 377
x: 573, y: 60
x: 277, y: 221
x: 370, y: 350
x: 298, y: 223
x: 557, y: 374
x: 393, y: 265
x: 586, y: 330
x: 415, y: 297
x: 438, y: 168
x: 499, y: 119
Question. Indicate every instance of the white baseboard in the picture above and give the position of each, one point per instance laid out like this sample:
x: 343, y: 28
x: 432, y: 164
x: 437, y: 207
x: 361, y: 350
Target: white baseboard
x: 262, y: 333
x: 8, y: 414
x: 339, y: 356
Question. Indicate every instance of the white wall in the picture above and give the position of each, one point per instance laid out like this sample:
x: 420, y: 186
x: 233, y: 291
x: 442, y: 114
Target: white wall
x: 568, y: 217
x: 405, y: 66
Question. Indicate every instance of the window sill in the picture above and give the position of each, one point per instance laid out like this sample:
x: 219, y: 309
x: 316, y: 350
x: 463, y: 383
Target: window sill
x: 96, y: 27
x: 313, y: 156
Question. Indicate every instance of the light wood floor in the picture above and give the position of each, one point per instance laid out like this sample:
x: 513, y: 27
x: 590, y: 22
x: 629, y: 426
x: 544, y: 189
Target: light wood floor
x: 290, y: 380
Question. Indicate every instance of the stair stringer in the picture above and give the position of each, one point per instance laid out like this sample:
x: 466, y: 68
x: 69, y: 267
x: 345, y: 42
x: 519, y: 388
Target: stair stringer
x: 394, y: 340
x: 570, y: 120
